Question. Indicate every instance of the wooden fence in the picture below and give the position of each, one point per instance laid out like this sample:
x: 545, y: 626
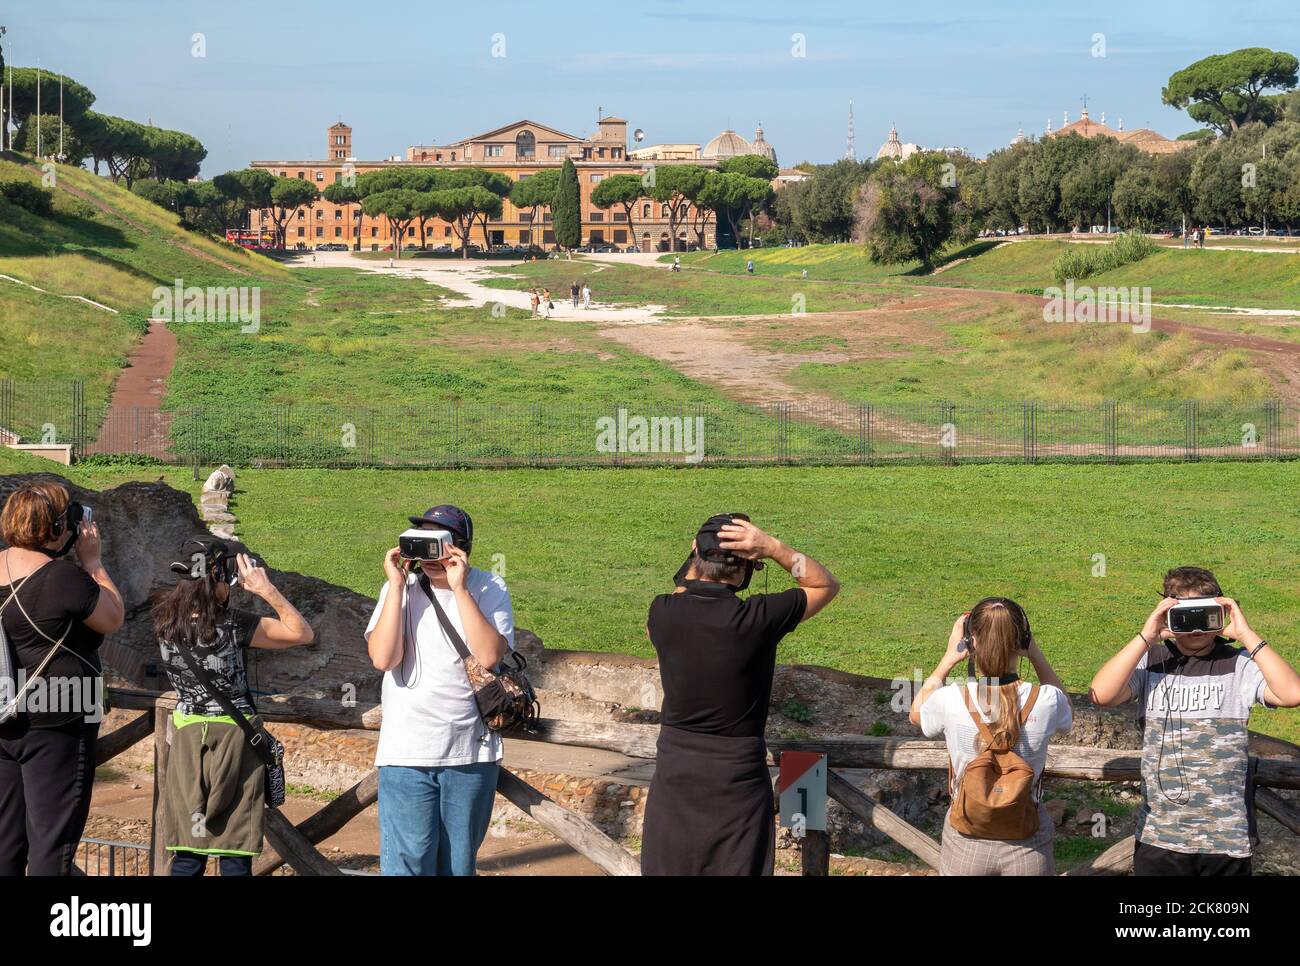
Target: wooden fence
x: 295, y: 845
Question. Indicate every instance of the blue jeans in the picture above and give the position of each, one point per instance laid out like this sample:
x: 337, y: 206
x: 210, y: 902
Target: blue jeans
x: 433, y: 820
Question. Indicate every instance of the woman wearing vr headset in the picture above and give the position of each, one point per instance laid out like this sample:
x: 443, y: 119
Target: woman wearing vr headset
x: 54, y: 615
x: 993, y: 710
x: 215, y: 780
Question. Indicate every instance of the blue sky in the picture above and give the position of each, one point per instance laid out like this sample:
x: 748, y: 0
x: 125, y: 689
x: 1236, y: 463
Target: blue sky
x: 276, y: 75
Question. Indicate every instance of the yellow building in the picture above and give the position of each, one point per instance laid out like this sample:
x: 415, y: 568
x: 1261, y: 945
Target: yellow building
x: 518, y: 150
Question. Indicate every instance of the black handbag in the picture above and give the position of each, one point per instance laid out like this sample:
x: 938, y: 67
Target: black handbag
x: 504, y: 697
x: 263, y: 743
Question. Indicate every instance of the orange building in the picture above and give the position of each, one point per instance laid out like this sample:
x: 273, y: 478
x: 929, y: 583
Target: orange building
x: 519, y: 150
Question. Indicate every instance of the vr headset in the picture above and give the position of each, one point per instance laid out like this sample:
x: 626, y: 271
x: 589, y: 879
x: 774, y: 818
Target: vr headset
x: 68, y: 522
x: 708, y: 547
x: 209, y: 557
x: 1196, y: 615
x: 416, y: 544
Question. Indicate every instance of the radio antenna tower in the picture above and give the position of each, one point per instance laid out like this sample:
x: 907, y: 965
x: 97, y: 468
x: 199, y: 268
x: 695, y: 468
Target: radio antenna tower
x: 849, y: 151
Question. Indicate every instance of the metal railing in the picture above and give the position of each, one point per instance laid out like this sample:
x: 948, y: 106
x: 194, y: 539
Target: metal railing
x: 472, y: 434
x: 106, y: 857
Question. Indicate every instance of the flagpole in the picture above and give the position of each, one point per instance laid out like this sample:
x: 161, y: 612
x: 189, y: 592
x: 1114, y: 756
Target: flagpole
x: 38, y: 110
x: 60, y: 118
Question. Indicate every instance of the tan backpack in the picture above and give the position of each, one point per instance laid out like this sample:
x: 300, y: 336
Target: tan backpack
x: 995, y: 799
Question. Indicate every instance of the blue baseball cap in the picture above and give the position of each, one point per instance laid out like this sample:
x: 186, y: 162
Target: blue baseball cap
x: 451, y: 518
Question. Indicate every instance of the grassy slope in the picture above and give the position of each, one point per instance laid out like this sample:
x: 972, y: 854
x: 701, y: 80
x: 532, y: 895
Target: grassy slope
x: 1249, y: 279
x: 115, y: 258
x: 1252, y: 279
x: 584, y: 551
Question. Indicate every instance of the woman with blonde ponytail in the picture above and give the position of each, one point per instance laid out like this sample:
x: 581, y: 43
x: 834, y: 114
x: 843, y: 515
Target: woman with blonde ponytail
x: 993, y: 710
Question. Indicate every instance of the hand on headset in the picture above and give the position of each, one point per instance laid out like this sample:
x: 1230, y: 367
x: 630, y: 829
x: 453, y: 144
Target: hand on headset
x: 1156, y: 627
x: 252, y: 577
x: 89, y: 547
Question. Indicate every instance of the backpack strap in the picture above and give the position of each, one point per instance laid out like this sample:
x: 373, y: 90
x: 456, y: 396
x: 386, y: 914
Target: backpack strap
x: 1029, y: 704
x: 984, y: 731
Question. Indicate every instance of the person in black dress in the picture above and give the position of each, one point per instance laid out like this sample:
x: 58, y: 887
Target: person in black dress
x: 55, y: 611
x: 709, y: 810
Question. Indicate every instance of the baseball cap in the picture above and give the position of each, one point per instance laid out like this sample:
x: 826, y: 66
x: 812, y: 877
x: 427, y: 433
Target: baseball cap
x: 451, y: 518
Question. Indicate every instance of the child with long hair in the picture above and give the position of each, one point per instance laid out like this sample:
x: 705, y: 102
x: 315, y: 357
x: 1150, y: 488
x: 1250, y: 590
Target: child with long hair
x: 994, y: 709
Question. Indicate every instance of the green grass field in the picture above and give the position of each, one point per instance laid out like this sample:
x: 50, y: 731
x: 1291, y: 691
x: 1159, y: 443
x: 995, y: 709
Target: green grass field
x: 688, y: 294
x: 1223, y: 277
x: 584, y: 551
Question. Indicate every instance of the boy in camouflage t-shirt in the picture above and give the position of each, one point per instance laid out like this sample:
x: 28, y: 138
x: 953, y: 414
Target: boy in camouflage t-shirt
x: 1196, y: 690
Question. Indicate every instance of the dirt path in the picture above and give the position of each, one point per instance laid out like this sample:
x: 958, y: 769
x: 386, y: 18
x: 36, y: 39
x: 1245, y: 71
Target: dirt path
x: 135, y: 422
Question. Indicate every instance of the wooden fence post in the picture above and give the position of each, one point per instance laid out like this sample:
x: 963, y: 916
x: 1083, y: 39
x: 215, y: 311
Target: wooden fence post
x: 815, y: 853
x: 159, y: 857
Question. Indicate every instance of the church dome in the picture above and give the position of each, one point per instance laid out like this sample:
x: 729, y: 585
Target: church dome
x: 894, y: 149
x: 761, y: 147
x: 728, y: 144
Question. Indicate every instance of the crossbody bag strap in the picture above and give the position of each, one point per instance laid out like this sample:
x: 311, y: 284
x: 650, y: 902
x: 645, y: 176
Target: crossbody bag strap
x: 450, y: 629
x: 256, y: 739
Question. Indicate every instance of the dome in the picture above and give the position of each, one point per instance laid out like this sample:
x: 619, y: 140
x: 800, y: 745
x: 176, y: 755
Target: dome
x: 894, y: 149
x: 728, y: 144
x: 761, y: 147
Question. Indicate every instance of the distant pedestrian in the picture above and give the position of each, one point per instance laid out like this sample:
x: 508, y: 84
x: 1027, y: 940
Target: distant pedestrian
x: 547, y: 304
x: 390, y: 261
x: 677, y: 263
x: 534, y: 299
x: 573, y: 294
x: 586, y: 295
x: 749, y: 266
x: 805, y: 273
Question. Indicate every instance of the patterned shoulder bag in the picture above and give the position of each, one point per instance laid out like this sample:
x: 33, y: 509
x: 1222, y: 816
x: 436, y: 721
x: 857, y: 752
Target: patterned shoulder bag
x: 504, y: 696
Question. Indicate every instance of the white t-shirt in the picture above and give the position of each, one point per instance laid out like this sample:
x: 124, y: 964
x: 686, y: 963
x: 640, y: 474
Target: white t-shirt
x: 430, y: 718
x: 945, y: 713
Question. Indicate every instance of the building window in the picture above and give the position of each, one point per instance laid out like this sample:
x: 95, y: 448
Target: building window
x: 546, y: 217
x: 453, y: 155
x: 597, y: 236
x: 320, y: 175
x: 301, y: 232
x: 301, y: 174
x: 338, y: 214
x: 596, y: 178
x: 525, y: 216
x: 301, y: 214
x: 558, y: 150
x: 616, y: 153
x: 374, y: 231
x: 492, y: 151
x: 446, y: 231
x: 620, y: 235
x: 600, y: 153
x: 620, y: 216
x: 320, y: 232
x: 338, y: 232
x: 663, y: 211
x: 320, y: 213
x: 548, y: 238
x: 525, y: 237
x: 338, y: 176
x: 597, y: 216
x: 525, y: 146
x: 437, y: 156
x: 645, y: 211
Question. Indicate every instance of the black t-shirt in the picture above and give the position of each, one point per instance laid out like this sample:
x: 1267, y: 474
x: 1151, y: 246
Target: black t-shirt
x: 58, y: 597
x: 223, y: 659
x: 717, y: 654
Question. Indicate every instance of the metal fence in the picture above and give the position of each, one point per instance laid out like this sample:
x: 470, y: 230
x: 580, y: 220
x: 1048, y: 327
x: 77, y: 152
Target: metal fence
x: 631, y: 433
x: 103, y: 857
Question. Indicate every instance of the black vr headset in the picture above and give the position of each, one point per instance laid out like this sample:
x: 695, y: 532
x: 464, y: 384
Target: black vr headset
x: 708, y: 547
x: 68, y: 522
x: 1018, y: 617
x: 204, y: 557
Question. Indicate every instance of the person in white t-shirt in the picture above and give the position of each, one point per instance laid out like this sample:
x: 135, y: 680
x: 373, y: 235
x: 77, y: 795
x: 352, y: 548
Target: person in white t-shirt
x: 991, y: 639
x: 437, y: 760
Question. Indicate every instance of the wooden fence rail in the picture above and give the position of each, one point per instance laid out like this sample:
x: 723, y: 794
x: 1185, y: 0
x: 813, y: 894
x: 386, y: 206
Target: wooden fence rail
x: 296, y: 845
